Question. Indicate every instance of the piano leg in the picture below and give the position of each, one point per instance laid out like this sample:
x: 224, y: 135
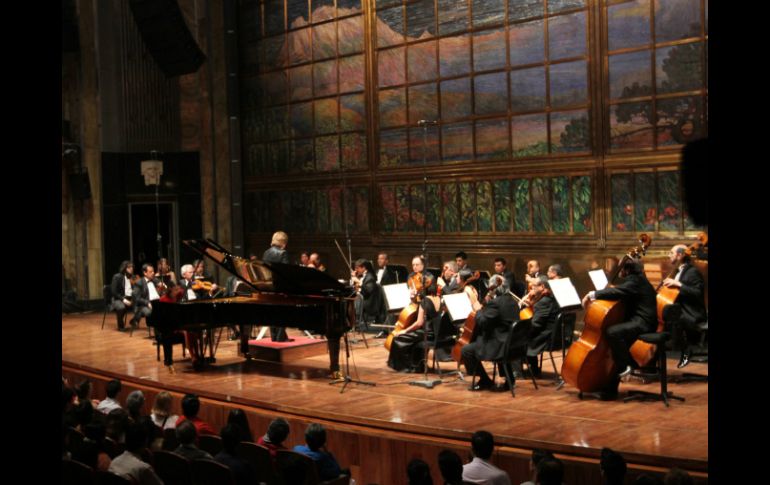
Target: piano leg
x: 333, y: 342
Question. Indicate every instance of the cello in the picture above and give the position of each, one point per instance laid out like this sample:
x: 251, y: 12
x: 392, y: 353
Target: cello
x: 409, y: 314
x: 468, y: 330
x: 643, y: 352
x: 588, y: 365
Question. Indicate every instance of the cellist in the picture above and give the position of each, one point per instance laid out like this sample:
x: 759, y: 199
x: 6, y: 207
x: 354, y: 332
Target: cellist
x: 545, y: 313
x: 640, y: 317
x: 689, y: 281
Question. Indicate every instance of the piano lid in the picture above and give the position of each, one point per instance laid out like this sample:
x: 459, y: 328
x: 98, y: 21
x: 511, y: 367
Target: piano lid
x: 263, y: 276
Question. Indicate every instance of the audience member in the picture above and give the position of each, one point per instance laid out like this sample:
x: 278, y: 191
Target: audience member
x: 239, y: 419
x: 537, y: 455
x: 277, y: 432
x: 190, y: 407
x: 186, y: 435
x: 645, y: 479
x: 480, y: 470
x: 109, y: 403
x: 92, y: 451
x: 418, y: 473
x: 451, y: 466
x: 242, y: 471
x: 315, y: 437
x: 613, y: 467
x: 129, y: 464
x: 134, y: 404
x: 161, y: 414
x: 117, y: 422
x: 677, y: 476
x: 550, y: 471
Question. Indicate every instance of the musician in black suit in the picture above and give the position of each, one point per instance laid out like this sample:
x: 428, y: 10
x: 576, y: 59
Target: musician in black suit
x: 691, y: 298
x: 501, y: 268
x: 368, y: 299
x: 276, y: 253
x: 385, y: 274
x: 122, y: 291
x: 544, y: 316
x: 494, y: 321
x: 641, y: 316
x: 448, y: 279
x: 145, y: 292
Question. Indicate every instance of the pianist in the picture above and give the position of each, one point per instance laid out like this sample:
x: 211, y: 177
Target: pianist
x: 276, y: 253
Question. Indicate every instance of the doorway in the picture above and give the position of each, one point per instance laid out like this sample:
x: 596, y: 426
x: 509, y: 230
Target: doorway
x: 144, y: 225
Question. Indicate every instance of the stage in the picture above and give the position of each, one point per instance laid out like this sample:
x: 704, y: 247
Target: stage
x: 375, y: 430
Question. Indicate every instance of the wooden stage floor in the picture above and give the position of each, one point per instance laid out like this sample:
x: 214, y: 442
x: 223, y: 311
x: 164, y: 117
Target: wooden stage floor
x: 646, y: 433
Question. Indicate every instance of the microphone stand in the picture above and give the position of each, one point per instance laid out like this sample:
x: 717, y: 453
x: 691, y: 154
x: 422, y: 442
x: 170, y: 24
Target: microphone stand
x: 346, y: 379
x: 425, y: 382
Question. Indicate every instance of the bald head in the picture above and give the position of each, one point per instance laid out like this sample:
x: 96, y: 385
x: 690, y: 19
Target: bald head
x: 678, y: 254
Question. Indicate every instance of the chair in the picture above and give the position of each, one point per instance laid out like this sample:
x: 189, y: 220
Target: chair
x: 107, y: 478
x: 562, y: 339
x: 296, y: 464
x: 658, y: 339
x: 515, y: 348
x: 259, y: 458
x: 107, y: 295
x: 173, y: 469
x: 210, y: 443
x: 76, y: 473
x: 209, y: 472
x: 443, y: 337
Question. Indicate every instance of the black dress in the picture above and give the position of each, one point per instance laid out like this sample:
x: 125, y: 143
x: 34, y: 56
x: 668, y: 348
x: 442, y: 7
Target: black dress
x: 405, y: 351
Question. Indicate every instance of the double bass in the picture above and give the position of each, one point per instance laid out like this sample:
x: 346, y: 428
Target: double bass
x: 588, y: 365
x: 409, y: 314
x: 643, y: 352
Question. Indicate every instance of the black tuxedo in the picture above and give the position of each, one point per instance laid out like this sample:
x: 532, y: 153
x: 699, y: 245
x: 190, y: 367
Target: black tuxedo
x: 510, y: 279
x: 141, y: 295
x: 371, y: 293
x: 494, y: 321
x: 118, y: 290
x: 693, y: 307
x: 639, y: 298
x: 274, y: 254
x: 389, y: 276
x: 545, y: 312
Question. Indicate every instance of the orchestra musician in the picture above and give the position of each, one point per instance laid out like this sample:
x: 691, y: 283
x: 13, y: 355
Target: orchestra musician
x: 533, y: 271
x: 501, y: 268
x: 145, y: 292
x: 368, y: 294
x: 200, y: 272
x: 194, y: 290
x: 165, y: 274
x: 385, y: 275
x: 545, y: 314
x: 462, y: 261
x: 276, y: 253
x: 462, y: 281
x: 555, y: 272
x: 448, y: 279
x: 304, y: 258
x: 406, y: 352
x: 691, y: 298
x: 315, y: 262
x: 640, y: 317
x: 494, y: 321
x: 121, y: 291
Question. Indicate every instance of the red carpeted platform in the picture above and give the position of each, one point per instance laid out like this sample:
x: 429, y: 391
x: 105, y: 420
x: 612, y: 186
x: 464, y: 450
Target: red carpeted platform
x: 297, y: 348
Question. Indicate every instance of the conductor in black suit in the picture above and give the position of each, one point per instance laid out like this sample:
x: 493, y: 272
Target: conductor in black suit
x: 368, y: 303
x: 691, y: 290
x: 641, y: 316
x: 276, y: 253
x: 494, y: 321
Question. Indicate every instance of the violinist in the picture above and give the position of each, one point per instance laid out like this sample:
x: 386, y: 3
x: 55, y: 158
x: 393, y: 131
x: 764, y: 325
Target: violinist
x: 461, y: 258
x: 200, y: 273
x: 121, y: 292
x: 368, y: 298
x: 494, y: 321
x: 533, y: 271
x: 165, y: 274
x: 691, y: 298
x: 145, y: 292
x: 193, y: 290
x: 448, y: 279
x: 276, y: 253
x: 406, y: 352
x: 641, y: 317
x: 545, y: 314
x: 462, y: 282
x: 304, y: 258
x: 555, y: 272
x: 315, y: 262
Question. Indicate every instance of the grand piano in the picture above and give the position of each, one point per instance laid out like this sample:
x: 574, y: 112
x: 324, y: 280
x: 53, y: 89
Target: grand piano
x: 271, y: 294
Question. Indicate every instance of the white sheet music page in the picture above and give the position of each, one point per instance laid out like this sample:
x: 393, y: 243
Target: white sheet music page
x: 458, y: 305
x: 565, y: 293
x: 397, y: 296
x: 598, y: 278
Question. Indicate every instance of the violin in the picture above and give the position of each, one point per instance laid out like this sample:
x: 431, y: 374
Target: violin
x: 419, y: 282
x: 200, y: 284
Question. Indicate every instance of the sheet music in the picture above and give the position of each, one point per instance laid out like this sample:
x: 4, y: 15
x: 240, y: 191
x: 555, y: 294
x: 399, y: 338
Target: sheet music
x: 565, y: 293
x: 598, y: 278
x: 458, y: 305
x: 397, y: 296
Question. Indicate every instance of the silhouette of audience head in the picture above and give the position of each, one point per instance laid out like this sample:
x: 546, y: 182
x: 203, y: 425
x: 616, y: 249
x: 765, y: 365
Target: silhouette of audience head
x: 186, y: 433
x: 315, y: 436
x: 451, y: 467
x: 613, y: 467
x: 482, y: 444
x: 418, y: 473
x: 277, y: 431
x: 190, y: 405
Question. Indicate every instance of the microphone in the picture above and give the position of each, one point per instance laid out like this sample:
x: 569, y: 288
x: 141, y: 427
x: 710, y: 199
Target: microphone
x: 427, y: 122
